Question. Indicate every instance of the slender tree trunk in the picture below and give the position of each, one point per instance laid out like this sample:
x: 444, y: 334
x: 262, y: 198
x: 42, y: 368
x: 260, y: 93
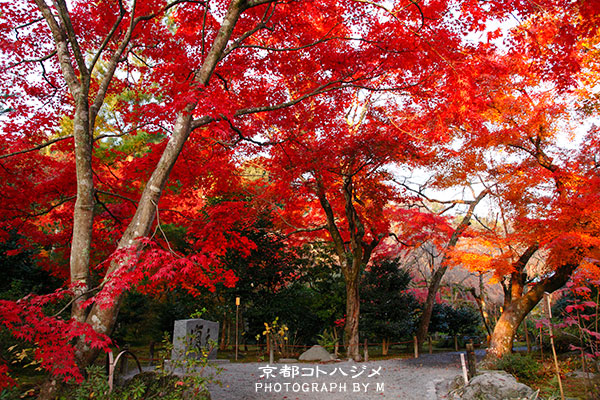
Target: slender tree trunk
x: 351, y: 260
x: 103, y: 317
x: 83, y: 215
x: 432, y: 289
x: 480, y: 300
x: 222, y: 345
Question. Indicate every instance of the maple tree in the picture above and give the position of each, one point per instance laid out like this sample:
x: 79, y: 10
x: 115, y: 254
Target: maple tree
x: 544, y: 191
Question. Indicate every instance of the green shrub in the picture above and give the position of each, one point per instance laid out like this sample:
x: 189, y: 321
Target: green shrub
x: 147, y: 385
x: 523, y: 366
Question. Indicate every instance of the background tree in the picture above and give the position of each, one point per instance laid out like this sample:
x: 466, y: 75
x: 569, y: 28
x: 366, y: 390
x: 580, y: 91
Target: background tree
x: 389, y: 310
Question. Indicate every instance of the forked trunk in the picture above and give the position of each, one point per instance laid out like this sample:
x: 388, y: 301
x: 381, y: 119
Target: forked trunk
x: 385, y: 346
x: 436, y: 278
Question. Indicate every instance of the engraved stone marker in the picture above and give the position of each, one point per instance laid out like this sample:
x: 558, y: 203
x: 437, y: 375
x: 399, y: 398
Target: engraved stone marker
x: 191, y: 336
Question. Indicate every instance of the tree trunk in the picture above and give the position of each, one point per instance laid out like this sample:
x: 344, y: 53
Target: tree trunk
x: 103, y: 317
x: 83, y: 215
x: 385, y: 346
x: 432, y: 289
x: 517, y: 310
x: 352, y: 316
x: 480, y: 300
x: 223, y: 325
x: 351, y: 260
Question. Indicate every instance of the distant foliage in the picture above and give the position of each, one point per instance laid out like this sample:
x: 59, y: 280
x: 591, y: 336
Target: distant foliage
x: 461, y: 320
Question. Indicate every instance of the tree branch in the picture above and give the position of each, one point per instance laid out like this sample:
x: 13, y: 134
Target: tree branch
x: 38, y: 147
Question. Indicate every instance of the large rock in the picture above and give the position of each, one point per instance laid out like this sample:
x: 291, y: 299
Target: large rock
x: 316, y: 353
x: 496, y: 385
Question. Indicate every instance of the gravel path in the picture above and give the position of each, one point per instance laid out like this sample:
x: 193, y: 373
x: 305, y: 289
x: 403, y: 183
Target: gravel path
x: 425, y: 378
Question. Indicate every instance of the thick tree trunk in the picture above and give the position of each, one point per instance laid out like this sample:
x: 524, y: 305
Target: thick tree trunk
x: 517, y: 310
x: 352, y: 317
x: 506, y: 327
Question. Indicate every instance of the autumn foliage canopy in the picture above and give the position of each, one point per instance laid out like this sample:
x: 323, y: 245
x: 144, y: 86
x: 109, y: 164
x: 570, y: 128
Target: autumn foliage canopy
x: 139, y: 138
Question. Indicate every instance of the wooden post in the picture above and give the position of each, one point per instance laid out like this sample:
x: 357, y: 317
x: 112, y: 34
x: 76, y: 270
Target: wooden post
x: 366, y: 351
x: 416, y: 346
x: 464, y: 368
x: 271, y: 352
x: 541, y: 345
x: 430, y: 344
x: 471, y: 362
x: 336, y: 346
x: 455, y: 343
x: 237, y: 315
x: 562, y: 394
x: 527, y: 335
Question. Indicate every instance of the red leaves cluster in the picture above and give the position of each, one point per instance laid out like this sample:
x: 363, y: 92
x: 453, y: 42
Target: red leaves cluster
x: 51, y: 336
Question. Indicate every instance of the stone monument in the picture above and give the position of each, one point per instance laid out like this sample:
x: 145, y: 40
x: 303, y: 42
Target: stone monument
x: 192, y: 337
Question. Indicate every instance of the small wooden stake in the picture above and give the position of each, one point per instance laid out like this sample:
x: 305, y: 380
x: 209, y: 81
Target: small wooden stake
x: 541, y: 345
x: 527, y: 335
x: 464, y: 368
x: 416, y: 345
x: 562, y: 394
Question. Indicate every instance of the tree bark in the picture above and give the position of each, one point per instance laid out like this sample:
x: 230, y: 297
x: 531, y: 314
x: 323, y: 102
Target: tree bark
x: 83, y: 215
x: 385, y: 346
x: 352, y: 317
x: 432, y: 289
x: 479, y: 299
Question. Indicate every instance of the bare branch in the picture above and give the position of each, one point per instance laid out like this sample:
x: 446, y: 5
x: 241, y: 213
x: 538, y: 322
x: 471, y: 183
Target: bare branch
x: 119, y: 221
x: 110, y: 34
x: 305, y: 230
x: 52, y: 207
x: 261, y: 25
x: 38, y: 147
x: 31, y: 60
x: 116, y: 195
